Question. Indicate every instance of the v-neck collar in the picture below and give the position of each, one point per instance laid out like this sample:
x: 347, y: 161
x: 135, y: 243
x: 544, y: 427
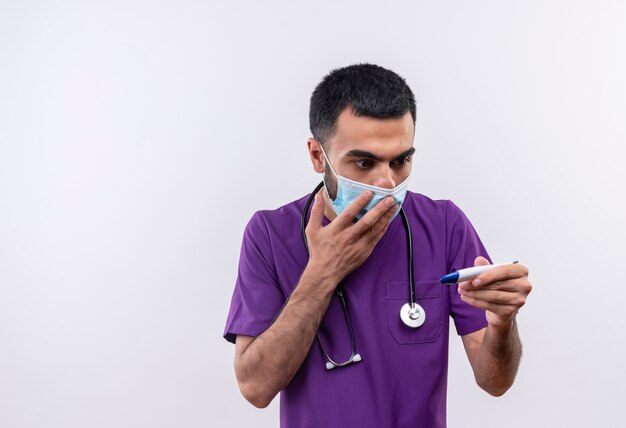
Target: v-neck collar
x: 360, y: 278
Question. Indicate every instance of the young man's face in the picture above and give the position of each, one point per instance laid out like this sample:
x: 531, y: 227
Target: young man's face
x: 368, y: 150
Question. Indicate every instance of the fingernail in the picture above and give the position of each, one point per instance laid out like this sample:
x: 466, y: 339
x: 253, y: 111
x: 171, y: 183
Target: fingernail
x: 477, y: 282
x: 389, y: 201
x: 368, y: 195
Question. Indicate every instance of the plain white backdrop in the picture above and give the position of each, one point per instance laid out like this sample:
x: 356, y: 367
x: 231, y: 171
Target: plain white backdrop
x: 137, y: 139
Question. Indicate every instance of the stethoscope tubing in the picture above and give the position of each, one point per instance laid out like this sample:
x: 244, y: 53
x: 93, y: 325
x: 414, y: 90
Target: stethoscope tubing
x: 414, y: 315
x: 409, y: 240
x: 407, y: 228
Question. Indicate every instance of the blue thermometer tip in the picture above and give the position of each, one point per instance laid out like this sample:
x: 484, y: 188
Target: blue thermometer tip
x: 450, y: 278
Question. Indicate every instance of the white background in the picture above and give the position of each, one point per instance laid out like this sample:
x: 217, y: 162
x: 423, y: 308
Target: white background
x: 137, y: 139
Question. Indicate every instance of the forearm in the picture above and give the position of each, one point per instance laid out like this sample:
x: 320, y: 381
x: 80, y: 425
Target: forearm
x: 272, y: 359
x: 498, y: 359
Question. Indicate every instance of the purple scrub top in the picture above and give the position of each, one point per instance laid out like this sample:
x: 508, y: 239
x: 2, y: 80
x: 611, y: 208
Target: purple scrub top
x: 402, y: 379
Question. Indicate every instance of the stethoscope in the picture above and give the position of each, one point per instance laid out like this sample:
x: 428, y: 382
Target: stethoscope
x: 411, y: 313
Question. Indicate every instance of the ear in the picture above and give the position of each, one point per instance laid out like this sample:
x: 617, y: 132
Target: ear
x: 316, y: 155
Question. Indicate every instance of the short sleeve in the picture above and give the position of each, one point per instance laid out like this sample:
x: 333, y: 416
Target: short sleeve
x: 257, y: 298
x: 463, y: 246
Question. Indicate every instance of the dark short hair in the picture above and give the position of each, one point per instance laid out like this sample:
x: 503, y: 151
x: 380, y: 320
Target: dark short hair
x: 367, y: 89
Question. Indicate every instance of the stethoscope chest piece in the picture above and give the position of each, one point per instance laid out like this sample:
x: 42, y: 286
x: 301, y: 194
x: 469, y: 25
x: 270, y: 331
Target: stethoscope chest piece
x: 412, y: 316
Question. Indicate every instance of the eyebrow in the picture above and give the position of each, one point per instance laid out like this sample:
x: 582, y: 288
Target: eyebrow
x: 369, y: 155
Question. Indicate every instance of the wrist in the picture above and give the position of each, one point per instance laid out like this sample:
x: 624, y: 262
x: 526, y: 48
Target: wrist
x: 502, y: 322
x: 316, y: 282
x: 321, y: 272
x: 502, y: 326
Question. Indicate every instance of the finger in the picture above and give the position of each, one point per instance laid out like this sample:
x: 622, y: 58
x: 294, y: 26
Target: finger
x: 499, y: 297
x: 478, y: 261
x: 481, y: 261
x: 382, y: 225
x: 372, y: 217
x: 387, y: 215
x: 501, y: 310
x: 501, y: 273
x: 345, y: 218
x: 464, y: 285
x: 317, y: 213
x: 513, y: 285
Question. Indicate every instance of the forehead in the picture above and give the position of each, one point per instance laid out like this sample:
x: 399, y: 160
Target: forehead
x: 375, y: 135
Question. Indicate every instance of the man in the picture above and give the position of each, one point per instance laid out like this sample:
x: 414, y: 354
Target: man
x: 362, y: 118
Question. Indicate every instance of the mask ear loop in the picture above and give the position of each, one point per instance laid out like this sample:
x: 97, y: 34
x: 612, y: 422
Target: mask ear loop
x: 328, y: 161
x: 332, y: 169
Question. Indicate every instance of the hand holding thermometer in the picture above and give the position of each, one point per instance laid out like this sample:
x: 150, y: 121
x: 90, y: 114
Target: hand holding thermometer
x: 469, y: 273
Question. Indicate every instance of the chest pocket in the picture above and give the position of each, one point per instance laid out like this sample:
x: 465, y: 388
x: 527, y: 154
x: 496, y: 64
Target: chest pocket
x: 429, y: 295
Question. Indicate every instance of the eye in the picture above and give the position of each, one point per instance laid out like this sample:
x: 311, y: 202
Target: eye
x: 401, y: 162
x: 364, y: 163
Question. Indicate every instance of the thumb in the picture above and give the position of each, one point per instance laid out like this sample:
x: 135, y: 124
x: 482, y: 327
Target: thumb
x: 317, y: 213
x: 481, y: 261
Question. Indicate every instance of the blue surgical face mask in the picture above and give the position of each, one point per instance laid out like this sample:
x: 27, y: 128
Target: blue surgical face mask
x: 348, y: 190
